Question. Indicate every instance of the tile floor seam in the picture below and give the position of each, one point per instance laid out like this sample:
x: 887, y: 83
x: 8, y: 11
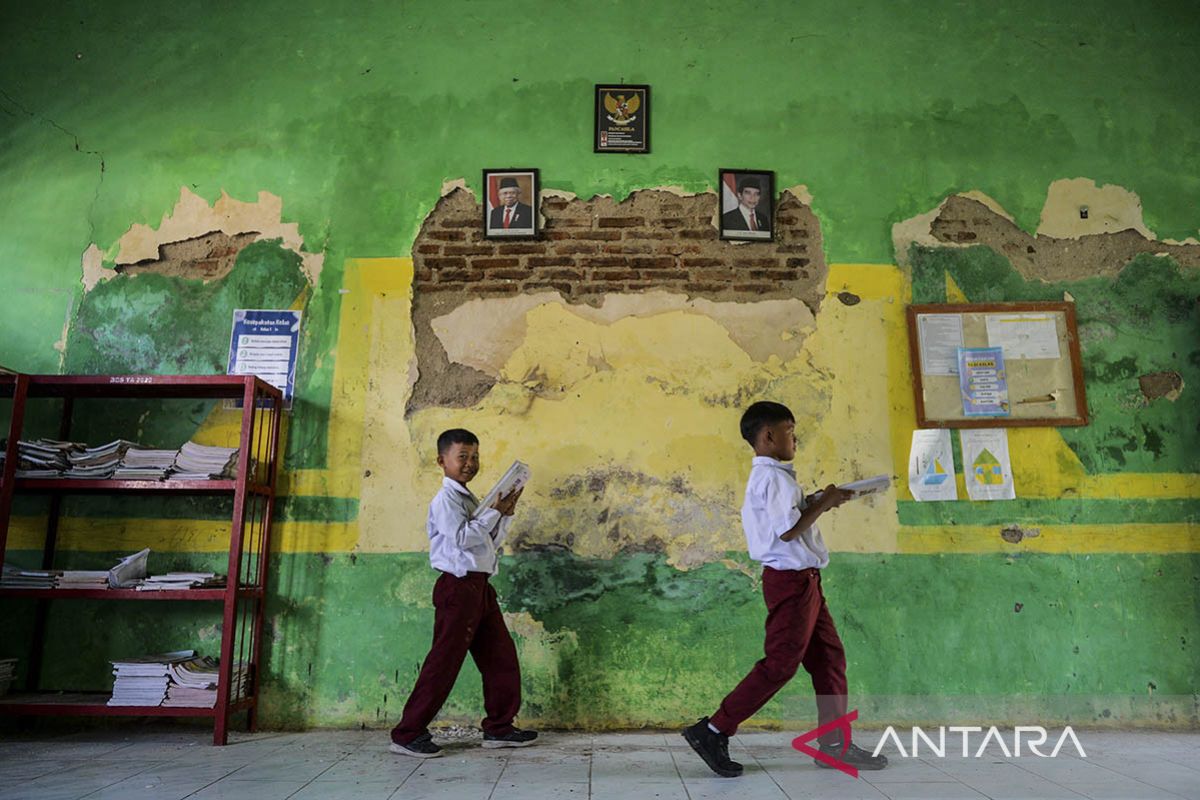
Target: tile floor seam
x: 1048, y: 779
x: 955, y: 777
x: 412, y: 771
x: 114, y: 783
x: 1181, y: 764
x: 1114, y: 772
x: 767, y: 772
x: 675, y: 762
x: 591, y: 760
x: 319, y: 774
x: 492, y: 793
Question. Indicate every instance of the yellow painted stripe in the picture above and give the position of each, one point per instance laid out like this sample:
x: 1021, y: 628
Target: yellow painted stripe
x: 1074, y: 539
x: 176, y: 535
x: 1045, y: 467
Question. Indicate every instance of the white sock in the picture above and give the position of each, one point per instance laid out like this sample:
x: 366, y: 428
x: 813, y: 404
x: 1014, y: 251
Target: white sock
x: 713, y: 729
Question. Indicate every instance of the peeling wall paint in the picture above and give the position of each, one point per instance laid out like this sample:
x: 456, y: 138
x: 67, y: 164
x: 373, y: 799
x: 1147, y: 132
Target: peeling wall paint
x: 193, y: 216
x: 627, y: 585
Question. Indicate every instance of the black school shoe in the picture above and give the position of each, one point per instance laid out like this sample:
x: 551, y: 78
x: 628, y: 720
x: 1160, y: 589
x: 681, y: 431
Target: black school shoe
x: 854, y: 756
x: 713, y: 748
x: 515, y: 738
x: 420, y: 747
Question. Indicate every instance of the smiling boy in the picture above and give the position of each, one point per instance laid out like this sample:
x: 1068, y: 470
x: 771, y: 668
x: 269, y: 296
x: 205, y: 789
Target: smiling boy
x: 467, y: 616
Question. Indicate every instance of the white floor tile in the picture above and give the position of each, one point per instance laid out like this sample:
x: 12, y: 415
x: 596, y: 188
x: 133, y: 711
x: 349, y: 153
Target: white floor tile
x: 332, y: 765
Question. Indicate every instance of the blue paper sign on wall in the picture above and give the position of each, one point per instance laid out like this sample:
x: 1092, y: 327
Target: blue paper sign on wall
x: 265, y: 343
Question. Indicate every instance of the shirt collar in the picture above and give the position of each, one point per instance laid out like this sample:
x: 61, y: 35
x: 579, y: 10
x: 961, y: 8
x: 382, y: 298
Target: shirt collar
x: 450, y: 483
x: 767, y: 461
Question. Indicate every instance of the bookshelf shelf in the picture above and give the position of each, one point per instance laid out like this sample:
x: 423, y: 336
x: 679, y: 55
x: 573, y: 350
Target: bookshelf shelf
x: 129, y: 594
x: 249, y: 533
x: 74, y: 486
x: 95, y: 704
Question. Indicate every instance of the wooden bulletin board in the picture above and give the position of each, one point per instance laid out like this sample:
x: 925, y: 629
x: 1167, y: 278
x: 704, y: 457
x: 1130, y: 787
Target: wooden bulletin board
x: 1043, y: 369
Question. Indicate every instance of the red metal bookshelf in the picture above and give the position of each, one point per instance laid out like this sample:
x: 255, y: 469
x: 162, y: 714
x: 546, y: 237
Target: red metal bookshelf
x: 249, y: 534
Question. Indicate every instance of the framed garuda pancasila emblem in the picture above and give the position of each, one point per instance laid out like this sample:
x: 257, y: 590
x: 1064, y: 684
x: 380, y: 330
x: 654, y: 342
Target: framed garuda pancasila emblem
x: 622, y: 119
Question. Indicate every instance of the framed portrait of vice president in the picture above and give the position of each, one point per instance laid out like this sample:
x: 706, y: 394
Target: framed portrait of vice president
x: 510, y: 200
x: 747, y: 204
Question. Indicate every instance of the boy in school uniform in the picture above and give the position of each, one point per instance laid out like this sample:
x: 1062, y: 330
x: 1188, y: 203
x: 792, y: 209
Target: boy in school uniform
x: 781, y: 533
x: 467, y: 617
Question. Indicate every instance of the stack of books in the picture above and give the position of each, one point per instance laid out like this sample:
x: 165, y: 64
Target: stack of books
x: 44, y: 458
x: 194, y: 683
x: 144, y: 464
x: 143, y: 681
x: 181, y: 580
x: 198, y: 462
x: 8, y: 668
x: 97, y: 463
x: 17, y: 578
x: 83, y: 579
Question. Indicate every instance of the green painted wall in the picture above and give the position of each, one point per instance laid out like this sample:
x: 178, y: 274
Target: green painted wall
x: 356, y: 116
x: 637, y: 641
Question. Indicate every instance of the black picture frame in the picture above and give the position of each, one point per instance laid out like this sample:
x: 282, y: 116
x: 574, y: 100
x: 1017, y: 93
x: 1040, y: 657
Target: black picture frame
x: 735, y: 225
x: 619, y: 128
x: 523, y: 220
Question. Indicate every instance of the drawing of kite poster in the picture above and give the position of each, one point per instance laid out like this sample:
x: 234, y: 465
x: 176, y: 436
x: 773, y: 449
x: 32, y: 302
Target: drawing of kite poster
x: 931, y: 466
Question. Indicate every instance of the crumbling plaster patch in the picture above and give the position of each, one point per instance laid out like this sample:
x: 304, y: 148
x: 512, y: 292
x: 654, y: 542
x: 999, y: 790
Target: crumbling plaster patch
x: 93, y: 269
x: 191, y: 218
x: 1167, y: 384
x: 963, y: 220
x: 1077, y: 207
x: 483, y: 333
x: 918, y: 229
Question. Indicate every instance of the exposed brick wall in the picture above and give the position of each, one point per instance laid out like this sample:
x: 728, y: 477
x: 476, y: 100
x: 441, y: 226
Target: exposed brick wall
x: 652, y: 240
x: 586, y: 249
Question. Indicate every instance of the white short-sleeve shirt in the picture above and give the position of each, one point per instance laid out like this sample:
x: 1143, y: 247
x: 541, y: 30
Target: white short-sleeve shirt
x: 457, y: 543
x: 773, y: 504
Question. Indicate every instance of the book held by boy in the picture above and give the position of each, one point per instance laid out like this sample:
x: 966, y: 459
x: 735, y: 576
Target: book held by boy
x: 858, y: 489
x: 515, y: 478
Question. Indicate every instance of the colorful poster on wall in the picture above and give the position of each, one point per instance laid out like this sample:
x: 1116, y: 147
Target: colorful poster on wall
x: 986, y: 466
x: 982, y: 381
x: 265, y: 343
x: 931, y: 466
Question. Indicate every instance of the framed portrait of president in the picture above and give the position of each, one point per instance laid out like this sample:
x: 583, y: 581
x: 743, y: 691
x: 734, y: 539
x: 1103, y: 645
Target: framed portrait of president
x: 510, y: 203
x: 747, y: 209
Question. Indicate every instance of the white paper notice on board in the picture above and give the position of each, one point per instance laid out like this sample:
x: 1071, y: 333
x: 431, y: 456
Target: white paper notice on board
x: 931, y: 465
x: 940, y: 337
x: 1023, y: 335
x: 986, y: 466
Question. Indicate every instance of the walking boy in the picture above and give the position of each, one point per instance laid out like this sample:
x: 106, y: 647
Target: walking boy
x: 466, y: 614
x: 781, y: 534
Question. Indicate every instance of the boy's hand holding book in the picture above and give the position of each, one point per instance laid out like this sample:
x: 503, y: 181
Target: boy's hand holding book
x: 831, y: 496
x: 507, y: 504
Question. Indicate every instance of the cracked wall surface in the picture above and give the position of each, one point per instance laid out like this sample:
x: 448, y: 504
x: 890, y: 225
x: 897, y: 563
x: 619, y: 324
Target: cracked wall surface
x: 963, y: 221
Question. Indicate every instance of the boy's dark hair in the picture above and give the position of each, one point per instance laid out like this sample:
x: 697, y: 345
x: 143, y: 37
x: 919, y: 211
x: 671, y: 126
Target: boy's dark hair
x: 455, y: 436
x: 761, y: 414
